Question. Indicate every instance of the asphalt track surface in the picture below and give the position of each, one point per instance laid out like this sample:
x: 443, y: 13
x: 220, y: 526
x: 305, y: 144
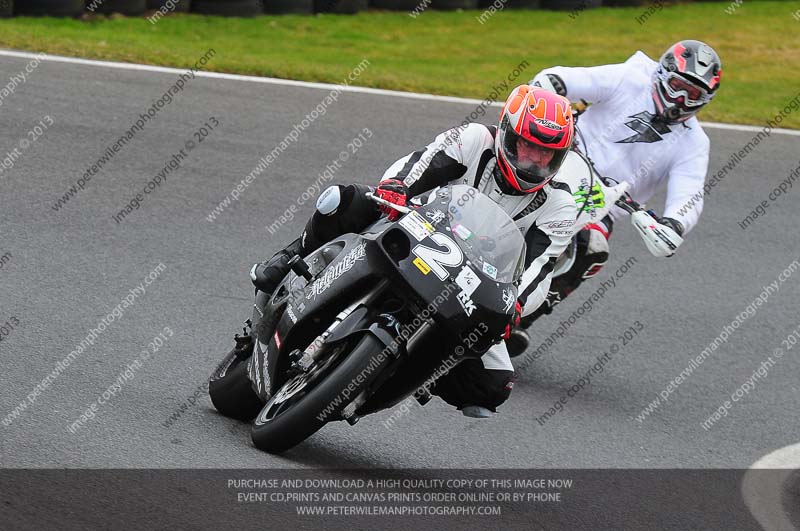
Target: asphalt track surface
x: 70, y: 267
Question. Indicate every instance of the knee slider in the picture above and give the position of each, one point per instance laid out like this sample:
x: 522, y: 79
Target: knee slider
x: 330, y: 200
x: 598, y: 242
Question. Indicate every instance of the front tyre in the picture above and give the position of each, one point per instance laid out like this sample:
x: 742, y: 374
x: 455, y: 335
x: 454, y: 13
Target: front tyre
x: 308, y: 401
x: 230, y: 389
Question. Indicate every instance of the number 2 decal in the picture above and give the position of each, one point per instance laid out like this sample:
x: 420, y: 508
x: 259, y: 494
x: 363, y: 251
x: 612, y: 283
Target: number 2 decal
x: 436, y: 259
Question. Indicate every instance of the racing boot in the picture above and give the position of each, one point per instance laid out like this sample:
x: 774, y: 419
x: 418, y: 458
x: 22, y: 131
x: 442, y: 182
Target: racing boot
x: 267, y: 275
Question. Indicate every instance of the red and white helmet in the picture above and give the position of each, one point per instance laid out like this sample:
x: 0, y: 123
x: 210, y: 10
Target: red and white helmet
x: 535, y: 134
x: 687, y: 78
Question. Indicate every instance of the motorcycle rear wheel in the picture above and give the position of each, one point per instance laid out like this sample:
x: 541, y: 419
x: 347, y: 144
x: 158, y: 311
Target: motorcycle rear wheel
x: 293, y: 413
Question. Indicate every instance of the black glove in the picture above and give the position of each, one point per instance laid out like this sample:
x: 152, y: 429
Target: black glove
x: 674, y: 224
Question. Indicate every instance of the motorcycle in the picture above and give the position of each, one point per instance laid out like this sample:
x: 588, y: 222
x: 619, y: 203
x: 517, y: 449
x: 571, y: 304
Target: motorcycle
x: 372, y: 318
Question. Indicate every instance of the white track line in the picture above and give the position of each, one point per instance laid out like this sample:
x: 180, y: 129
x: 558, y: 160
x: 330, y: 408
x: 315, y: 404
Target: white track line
x: 764, y: 484
x: 322, y: 86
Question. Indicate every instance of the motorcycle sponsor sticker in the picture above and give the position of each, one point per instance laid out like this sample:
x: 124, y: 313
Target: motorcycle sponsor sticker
x: 564, y: 223
x: 508, y: 299
x: 547, y: 123
x: 334, y: 272
x: 261, y: 354
x: 291, y: 314
x: 436, y: 216
x: 462, y: 232
x: 468, y: 280
x: 589, y: 199
x: 417, y: 226
x: 490, y: 270
x: 422, y: 266
x: 466, y: 303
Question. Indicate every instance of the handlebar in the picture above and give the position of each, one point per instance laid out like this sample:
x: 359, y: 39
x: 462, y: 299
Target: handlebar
x: 381, y: 201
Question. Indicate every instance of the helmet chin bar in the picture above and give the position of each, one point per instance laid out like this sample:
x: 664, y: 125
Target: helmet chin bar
x: 672, y: 113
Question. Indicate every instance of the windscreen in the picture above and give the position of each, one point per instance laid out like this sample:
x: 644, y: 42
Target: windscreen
x: 487, y: 235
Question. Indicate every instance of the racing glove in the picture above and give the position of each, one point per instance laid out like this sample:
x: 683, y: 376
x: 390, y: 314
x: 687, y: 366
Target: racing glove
x: 662, y: 236
x: 394, y: 191
x: 674, y: 224
x: 514, y: 321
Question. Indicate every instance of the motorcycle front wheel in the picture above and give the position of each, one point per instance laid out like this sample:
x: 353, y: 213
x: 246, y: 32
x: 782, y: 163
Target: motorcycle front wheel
x: 308, y: 401
x: 230, y: 389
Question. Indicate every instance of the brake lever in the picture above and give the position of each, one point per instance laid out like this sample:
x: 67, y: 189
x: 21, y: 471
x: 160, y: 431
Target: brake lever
x: 382, y: 201
x: 627, y: 203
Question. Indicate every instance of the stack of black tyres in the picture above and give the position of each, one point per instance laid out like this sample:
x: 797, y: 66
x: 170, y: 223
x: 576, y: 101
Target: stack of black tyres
x: 52, y: 8
x: 340, y: 7
x: 280, y: 7
x: 228, y: 8
x: 449, y: 5
x: 6, y: 8
x: 394, y: 5
x: 625, y: 3
x: 511, y: 4
x: 180, y: 6
x: 123, y: 7
x: 571, y: 5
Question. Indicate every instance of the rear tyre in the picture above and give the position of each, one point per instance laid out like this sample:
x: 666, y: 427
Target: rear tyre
x: 293, y: 413
x: 231, y: 391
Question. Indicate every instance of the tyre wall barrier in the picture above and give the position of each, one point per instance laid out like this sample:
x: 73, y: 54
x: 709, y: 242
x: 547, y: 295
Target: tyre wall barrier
x: 249, y: 8
x: 341, y: 7
x: 123, y: 7
x: 278, y: 7
x: 449, y: 5
x: 228, y: 8
x: 510, y: 4
x: 570, y: 5
x: 173, y: 6
x: 52, y: 8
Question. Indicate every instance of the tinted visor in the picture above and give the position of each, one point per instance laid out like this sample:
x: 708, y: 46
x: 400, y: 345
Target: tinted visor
x: 532, y: 163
